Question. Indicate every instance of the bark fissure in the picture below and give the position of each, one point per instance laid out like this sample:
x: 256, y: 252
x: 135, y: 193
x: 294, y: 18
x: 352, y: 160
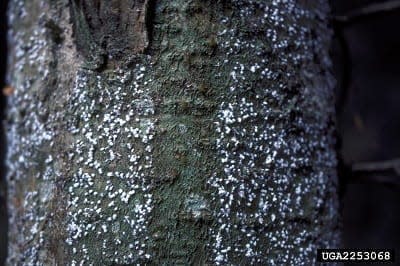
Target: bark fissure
x: 111, y: 32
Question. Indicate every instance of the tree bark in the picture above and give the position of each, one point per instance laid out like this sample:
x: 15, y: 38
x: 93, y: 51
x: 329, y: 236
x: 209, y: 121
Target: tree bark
x: 170, y: 132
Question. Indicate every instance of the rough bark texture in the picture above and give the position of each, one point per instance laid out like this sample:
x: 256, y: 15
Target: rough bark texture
x: 170, y: 132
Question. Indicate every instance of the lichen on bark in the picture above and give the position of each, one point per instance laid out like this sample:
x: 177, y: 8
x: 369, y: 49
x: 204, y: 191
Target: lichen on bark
x: 211, y: 144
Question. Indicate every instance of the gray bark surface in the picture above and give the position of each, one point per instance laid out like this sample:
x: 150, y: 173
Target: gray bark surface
x: 170, y: 133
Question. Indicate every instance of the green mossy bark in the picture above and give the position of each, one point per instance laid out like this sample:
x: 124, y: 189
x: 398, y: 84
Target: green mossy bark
x: 185, y: 156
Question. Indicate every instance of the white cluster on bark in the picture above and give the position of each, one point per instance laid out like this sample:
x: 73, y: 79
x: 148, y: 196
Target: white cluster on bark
x: 259, y: 189
x: 271, y: 197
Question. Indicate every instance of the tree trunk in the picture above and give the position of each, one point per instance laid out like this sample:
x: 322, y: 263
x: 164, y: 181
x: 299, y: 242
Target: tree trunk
x: 170, y: 132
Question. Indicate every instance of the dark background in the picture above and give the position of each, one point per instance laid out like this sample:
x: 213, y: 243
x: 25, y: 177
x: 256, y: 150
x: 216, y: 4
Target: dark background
x: 366, y: 56
x: 369, y: 122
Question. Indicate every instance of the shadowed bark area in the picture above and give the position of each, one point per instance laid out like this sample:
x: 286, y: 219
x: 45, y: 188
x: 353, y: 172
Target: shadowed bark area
x: 114, y: 30
x: 3, y: 145
x: 211, y: 144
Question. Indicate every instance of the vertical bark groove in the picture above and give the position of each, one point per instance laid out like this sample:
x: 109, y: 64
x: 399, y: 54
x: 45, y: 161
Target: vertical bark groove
x: 111, y: 31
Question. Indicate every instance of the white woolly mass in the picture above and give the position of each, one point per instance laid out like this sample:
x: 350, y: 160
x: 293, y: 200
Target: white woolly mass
x: 263, y: 198
x: 30, y: 132
x: 257, y: 200
x: 110, y: 200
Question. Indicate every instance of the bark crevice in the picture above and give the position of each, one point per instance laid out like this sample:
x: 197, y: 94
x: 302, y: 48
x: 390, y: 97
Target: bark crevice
x: 110, y: 32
